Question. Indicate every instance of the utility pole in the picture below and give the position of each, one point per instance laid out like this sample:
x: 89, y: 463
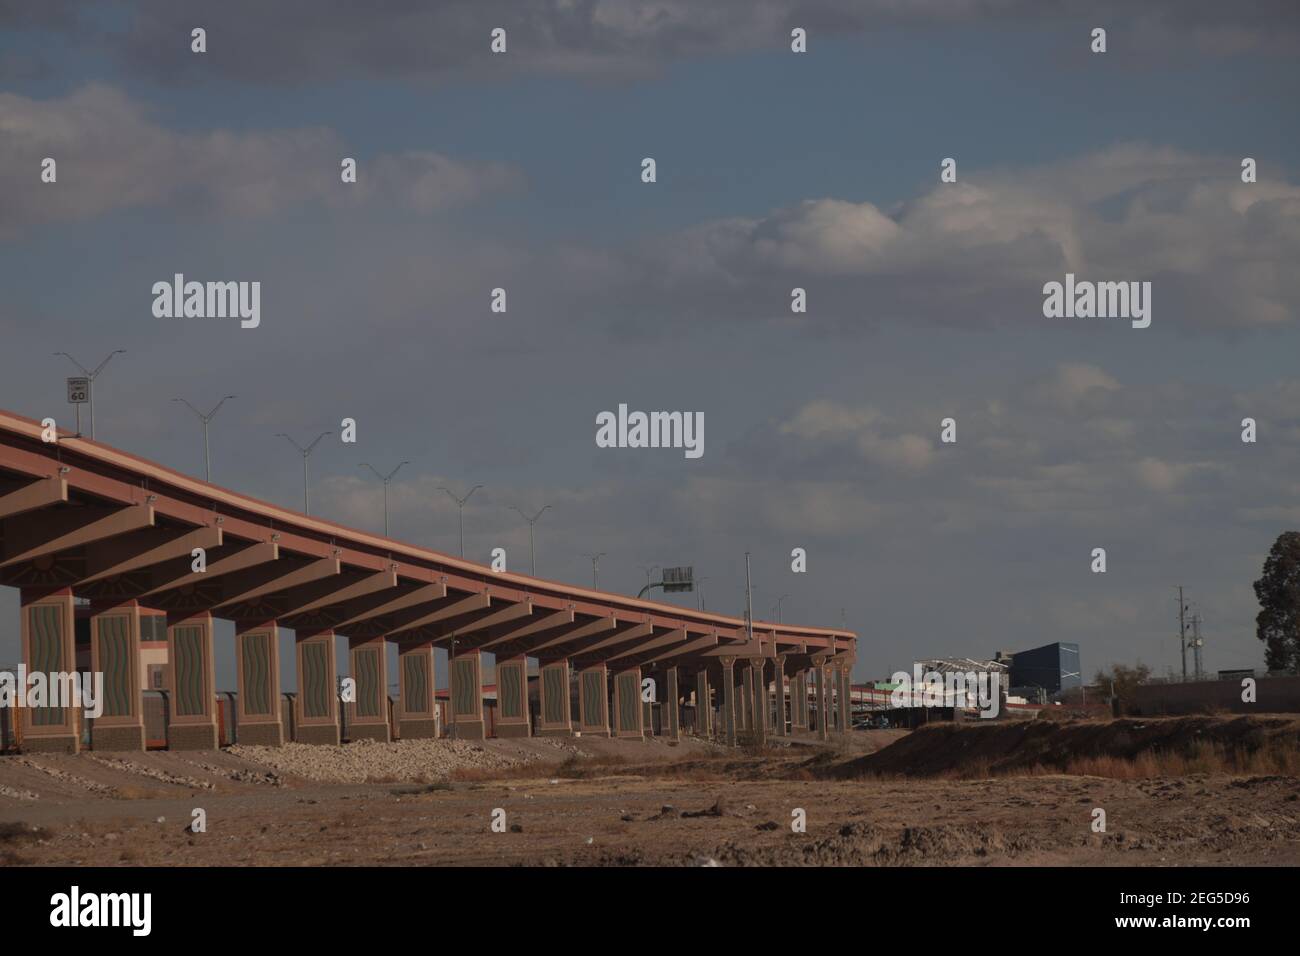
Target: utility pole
x: 306, y: 453
x: 90, y: 379
x: 1182, y: 630
x: 1196, y: 645
x: 749, y: 604
x: 207, y: 458
x: 595, y: 569
x: 460, y: 506
x: 532, y: 555
x: 385, y: 479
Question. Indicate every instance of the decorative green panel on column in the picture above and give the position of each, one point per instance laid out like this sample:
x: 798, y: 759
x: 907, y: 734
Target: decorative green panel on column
x: 256, y: 653
x: 464, y: 687
x: 629, y: 700
x: 115, y: 661
x: 556, y: 693
x: 315, y: 688
x: 509, y: 693
x: 365, y: 661
x: 593, y: 693
x: 416, y: 673
x: 45, y: 636
x: 189, y: 690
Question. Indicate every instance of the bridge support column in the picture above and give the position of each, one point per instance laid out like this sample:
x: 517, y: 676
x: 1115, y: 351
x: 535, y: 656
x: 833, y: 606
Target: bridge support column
x: 553, y: 694
x: 512, y: 698
x: 316, y: 717
x: 115, y: 653
x: 368, y: 711
x: 799, y: 701
x: 257, y: 658
x: 48, y: 648
x: 703, y: 705
x: 779, y: 685
x: 758, y: 695
x: 823, y: 705
x: 729, y: 700
x: 592, y: 698
x: 628, y: 712
x: 670, y: 711
x: 191, y: 668
x: 845, y: 701
x: 745, y: 717
x: 467, y: 696
x: 418, y: 717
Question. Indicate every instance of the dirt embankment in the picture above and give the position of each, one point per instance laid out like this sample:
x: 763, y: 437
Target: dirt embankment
x: 1128, y: 748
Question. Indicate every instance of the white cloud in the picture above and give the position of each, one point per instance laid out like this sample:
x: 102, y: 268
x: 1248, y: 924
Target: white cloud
x: 1218, y: 253
x: 111, y: 155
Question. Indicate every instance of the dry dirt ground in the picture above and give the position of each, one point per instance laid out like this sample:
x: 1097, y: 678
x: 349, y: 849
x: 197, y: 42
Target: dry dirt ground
x: 610, y: 802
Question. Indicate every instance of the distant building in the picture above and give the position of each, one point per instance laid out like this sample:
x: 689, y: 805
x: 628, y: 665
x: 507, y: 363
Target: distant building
x: 1047, y: 671
x: 1238, y: 674
x: 946, y: 665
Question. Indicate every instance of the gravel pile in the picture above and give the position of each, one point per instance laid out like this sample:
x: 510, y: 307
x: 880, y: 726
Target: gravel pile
x: 69, y: 778
x: 365, y: 760
x: 239, y: 774
x: 130, y: 766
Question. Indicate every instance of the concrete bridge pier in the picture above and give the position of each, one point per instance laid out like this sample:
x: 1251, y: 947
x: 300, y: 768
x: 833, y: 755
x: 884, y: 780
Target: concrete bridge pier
x: 729, y: 729
x: 844, y: 709
x: 592, y: 701
x: 628, y: 711
x: 512, y: 698
x: 191, y: 668
x: 799, y: 701
x: 316, y: 717
x: 823, y: 705
x: 115, y: 653
x: 554, y: 698
x: 48, y: 646
x: 671, y: 708
x: 757, y: 686
x: 466, y: 705
x: 703, y: 704
x: 257, y: 658
x: 778, y: 680
x: 417, y: 717
x: 368, y: 710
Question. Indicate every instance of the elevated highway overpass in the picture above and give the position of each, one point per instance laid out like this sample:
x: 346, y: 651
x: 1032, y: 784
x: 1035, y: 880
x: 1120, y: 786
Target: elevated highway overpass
x: 82, y: 520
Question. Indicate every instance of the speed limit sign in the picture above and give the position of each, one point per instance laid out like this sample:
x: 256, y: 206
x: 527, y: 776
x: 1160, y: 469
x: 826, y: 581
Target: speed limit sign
x: 78, y: 391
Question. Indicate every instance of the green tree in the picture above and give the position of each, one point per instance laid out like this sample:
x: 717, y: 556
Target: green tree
x: 1278, y: 622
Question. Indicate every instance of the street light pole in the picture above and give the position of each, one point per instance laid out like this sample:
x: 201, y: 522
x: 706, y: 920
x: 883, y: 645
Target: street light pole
x: 207, y: 457
x: 306, y: 453
x: 385, y: 479
x: 699, y: 587
x: 595, y: 569
x: 778, y: 606
x: 648, y: 571
x: 460, y: 505
x: 532, y: 555
x: 90, y: 378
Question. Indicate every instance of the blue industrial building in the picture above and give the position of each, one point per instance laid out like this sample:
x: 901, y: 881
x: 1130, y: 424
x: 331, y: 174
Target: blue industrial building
x: 1055, y: 668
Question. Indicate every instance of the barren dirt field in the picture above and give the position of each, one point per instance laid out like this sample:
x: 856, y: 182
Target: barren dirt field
x: 609, y: 802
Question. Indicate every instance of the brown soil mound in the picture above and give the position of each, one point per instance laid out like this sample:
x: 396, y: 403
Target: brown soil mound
x: 1124, y: 748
